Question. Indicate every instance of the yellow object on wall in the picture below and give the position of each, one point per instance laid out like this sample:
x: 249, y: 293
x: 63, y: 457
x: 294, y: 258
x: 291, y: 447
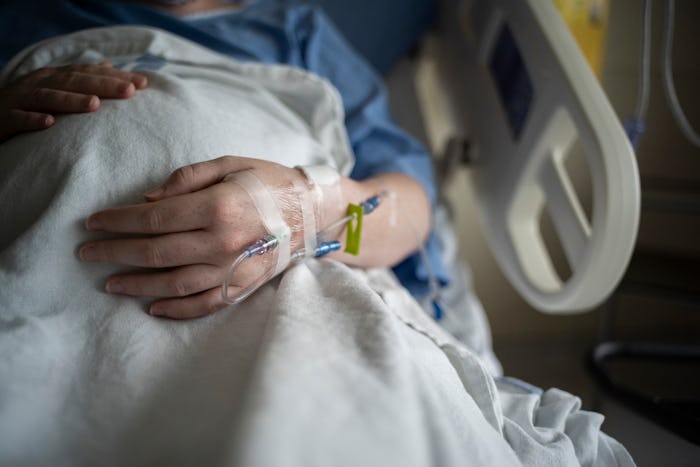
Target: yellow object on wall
x: 588, y: 22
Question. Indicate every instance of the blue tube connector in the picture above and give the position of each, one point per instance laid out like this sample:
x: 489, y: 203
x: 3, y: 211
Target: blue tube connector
x: 438, y: 309
x: 634, y: 128
x: 371, y: 204
x: 326, y: 247
x: 262, y: 246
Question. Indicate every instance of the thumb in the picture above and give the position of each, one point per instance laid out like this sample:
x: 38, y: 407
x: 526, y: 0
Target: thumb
x: 195, y: 177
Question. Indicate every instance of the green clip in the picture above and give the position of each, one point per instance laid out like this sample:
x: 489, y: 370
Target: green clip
x: 352, y: 241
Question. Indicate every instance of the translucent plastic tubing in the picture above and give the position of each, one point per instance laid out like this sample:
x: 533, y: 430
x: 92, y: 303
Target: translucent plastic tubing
x: 272, y: 253
x: 282, y: 213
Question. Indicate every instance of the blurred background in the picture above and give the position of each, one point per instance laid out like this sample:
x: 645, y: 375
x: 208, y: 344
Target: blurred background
x: 550, y: 350
x: 659, y: 298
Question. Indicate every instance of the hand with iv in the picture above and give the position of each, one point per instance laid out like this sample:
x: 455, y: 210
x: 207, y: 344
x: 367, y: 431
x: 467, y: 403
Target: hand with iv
x: 194, y: 226
x: 31, y: 102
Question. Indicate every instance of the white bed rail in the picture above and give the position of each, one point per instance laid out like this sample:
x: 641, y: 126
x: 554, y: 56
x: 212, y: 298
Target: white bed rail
x: 527, y: 96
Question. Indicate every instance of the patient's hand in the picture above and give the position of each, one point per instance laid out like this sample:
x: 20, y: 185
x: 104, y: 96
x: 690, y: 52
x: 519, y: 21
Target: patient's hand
x: 197, y: 223
x: 31, y: 102
x: 192, y: 230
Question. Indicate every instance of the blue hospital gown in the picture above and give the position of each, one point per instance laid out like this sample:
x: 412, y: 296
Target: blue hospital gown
x: 292, y: 33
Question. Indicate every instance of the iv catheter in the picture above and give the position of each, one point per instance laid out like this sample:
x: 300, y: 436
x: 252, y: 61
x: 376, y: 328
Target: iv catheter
x: 270, y: 242
x: 324, y: 246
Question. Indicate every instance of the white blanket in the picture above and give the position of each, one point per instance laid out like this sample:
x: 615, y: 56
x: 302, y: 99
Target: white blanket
x: 326, y: 365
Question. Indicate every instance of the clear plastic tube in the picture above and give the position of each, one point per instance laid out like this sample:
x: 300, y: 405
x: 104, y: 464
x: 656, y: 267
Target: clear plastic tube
x: 645, y: 64
x: 669, y: 87
x: 635, y: 125
x: 324, y: 244
x: 261, y: 247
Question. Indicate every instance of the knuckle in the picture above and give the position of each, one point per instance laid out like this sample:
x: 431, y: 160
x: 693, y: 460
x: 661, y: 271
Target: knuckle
x: 177, y: 287
x: 37, y: 95
x: 184, y: 175
x: 153, y: 256
x: 151, y: 221
x: 43, y: 72
x: 64, y: 100
x: 71, y: 78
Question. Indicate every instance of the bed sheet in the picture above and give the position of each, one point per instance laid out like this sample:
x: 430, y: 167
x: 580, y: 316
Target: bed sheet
x: 325, y: 365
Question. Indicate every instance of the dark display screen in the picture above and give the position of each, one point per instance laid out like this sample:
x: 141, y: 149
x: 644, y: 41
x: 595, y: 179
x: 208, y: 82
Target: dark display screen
x: 512, y: 80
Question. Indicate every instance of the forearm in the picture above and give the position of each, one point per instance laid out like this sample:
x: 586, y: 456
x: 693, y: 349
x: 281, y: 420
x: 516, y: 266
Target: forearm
x: 396, y: 228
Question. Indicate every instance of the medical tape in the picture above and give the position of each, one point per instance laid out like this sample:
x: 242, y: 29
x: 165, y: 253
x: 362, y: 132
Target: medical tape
x: 325, y: 181
x: 322, y: 174
x: 308, y: 218
x: 270, y: 214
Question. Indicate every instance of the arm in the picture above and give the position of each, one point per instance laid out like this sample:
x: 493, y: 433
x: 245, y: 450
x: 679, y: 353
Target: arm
x: 398, y: 227
x: 379, y: 144
x: 201, y: 223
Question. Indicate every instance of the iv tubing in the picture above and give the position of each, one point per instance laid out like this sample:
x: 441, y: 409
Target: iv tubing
x: 320, y: 247
x: 667, y: 51
x: 324, y: 246
x: 260, y: 247
x: 645, y: 62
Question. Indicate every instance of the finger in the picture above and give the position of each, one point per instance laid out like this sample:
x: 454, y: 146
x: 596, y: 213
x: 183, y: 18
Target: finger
x: 197, y: 176
x: 194, y: 306
x: 178, y: 214
x: 18, y: 121
x: 58, y: 101
x: 106, y: 69
x: 90, y: 83
x: 162, y: 251
x: 179, y: 282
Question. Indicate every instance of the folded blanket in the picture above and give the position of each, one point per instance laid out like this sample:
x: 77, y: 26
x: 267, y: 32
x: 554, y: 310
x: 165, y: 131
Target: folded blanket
x: 325, y: 365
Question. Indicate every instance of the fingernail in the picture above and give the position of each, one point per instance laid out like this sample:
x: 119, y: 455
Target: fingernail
x: 87, y: 252
x: 114, y: 286
x: 127, y: 90
x: 155, y: 193
x: 93, y: 103
x: 140, y: 81
x: 93, y: 223
x: 156, y: 311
